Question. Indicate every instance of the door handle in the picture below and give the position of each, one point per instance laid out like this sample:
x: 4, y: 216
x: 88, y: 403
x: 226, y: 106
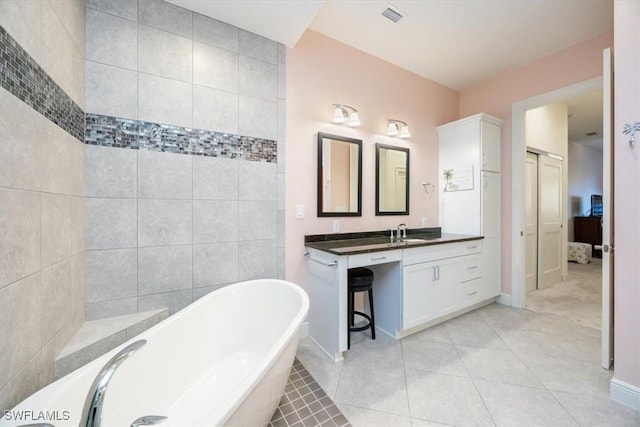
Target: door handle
x: 604, y: 248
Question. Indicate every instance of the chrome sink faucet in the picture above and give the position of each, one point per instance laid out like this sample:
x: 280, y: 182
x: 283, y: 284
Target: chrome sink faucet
x: 402, y: 227
x: 92, y: 410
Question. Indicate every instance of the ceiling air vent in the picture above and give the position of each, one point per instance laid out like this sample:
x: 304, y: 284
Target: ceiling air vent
x: 392, y: 14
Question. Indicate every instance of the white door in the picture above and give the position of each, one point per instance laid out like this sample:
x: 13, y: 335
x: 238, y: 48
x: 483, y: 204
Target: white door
x: 607, y: 216
x: 549, y: 221
x: 531, y: 223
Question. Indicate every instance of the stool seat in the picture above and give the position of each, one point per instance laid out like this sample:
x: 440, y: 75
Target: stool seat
x: 360, y: 279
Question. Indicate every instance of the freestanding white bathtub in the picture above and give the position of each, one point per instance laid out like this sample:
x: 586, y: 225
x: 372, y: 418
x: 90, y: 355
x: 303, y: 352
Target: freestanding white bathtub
x: 223, y: 360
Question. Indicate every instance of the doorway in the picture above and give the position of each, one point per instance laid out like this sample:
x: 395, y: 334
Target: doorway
x: 520, y: 268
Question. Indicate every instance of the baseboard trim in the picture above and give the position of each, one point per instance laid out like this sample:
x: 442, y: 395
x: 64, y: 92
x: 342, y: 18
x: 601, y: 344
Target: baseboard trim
x: 304, y: 330
x: 625, y: 393
x: 504, y: 299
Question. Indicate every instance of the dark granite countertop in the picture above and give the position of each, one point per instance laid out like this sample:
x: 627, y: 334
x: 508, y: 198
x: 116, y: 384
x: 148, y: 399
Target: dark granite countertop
x: 376, y: 241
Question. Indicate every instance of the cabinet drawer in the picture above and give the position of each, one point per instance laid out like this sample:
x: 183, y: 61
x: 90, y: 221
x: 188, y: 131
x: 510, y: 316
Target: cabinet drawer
x: 432, y: 253
x: 470, y: 267
x: 471, y: 247
x: 471, y: 291
x: 373, y: 258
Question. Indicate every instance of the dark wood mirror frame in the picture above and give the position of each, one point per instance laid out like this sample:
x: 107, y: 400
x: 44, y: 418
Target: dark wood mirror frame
x: 320, y: 177
x: 380, y: 212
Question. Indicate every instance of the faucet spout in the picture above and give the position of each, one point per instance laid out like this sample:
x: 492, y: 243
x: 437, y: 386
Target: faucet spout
x: 402, y: 227
x: 92, y: 410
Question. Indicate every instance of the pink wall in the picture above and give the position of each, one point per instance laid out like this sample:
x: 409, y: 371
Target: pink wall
x: 322, y: 71
x: 575, y: 64
x: 627, y: 197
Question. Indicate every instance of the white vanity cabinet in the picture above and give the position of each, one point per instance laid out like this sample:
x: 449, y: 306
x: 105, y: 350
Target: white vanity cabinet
x: 439, y: 280
x: 413, y: 288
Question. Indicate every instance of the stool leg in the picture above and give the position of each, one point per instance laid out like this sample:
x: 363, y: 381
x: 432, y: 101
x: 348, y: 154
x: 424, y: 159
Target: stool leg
x: 349, y: 317
x: 352, y: 308
x: 373, y: 325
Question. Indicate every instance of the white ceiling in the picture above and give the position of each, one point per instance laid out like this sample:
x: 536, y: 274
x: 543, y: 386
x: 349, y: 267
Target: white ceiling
x: 457, y: 43
x: 454, y: 42
x: 587, y: 117
x: 281, y: 20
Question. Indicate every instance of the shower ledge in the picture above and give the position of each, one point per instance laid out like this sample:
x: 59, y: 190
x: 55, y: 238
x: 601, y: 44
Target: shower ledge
x: 97, y: 337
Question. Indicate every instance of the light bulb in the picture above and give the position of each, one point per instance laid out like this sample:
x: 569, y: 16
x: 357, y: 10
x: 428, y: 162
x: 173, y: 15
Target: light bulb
x: 392, y: 129
x: 404, y: 132
x: 354, y: 120
x: 338, y: 116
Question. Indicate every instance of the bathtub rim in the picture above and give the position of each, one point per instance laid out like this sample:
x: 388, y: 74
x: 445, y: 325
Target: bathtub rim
x: 277, y: 348
x: 234, y: 400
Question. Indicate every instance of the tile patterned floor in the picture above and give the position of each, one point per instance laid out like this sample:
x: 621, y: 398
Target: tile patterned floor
x: 494, y: 366
x: 305, y: 404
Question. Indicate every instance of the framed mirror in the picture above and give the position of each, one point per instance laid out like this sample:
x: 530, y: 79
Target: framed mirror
x: 392, y: 180
x: 339, y: 175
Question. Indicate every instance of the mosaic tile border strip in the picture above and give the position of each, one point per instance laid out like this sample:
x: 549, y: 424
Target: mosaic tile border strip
x: 21, y: 75
x: 110, y: 131
x: 305, y: 404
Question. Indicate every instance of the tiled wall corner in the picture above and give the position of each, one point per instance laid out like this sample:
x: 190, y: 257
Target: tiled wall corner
x: 282, y: 131
x: 42, y: 284
x: 195, y: 222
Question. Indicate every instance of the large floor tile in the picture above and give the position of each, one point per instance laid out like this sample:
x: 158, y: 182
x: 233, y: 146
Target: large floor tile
x: 474, y: 336
x: 556, y: 324
x: 574, y: 376
x: 514, y: 405
x: 433, y: 357
x: 504, y: 317
x: 382, y: 353
x: 445, y: 399
x: 497, y: 365
x: 437, y: 333
x: 597, y: 411
x: 472, y: 318
x: 379, y: 389
x: 361, y: 417
x: 416, y: 422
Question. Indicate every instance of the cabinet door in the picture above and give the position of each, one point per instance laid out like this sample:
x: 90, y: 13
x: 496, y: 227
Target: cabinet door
x: 447, y: 286
x: 490, y: 147
x: 417, y: 294
x: 491, y: 220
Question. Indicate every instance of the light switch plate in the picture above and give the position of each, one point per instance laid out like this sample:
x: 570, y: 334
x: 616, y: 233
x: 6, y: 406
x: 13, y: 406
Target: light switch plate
x: 299, y: 211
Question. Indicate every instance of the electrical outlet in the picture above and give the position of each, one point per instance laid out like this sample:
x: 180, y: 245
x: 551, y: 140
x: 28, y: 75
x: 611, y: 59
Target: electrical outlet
x: 424, y: 221
x: 299, y: 211
x: 336, y: 225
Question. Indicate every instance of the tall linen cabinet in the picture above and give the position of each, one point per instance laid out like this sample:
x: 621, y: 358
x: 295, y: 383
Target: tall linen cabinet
x: 469, y: 171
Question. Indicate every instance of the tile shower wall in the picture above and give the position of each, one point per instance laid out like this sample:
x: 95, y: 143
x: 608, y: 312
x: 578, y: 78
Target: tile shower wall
x: 164, y: 229
x: 41, y: 189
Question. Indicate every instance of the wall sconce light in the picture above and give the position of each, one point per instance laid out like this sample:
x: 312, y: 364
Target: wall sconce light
x: 394, y: 130
x: 340, y: 115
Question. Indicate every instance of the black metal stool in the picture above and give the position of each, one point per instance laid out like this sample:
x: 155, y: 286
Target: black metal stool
x: 360, y: 280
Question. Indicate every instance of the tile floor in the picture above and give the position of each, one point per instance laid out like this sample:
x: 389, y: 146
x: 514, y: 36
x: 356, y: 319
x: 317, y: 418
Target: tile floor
x: 494, y: 366
x: 305, y: 404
